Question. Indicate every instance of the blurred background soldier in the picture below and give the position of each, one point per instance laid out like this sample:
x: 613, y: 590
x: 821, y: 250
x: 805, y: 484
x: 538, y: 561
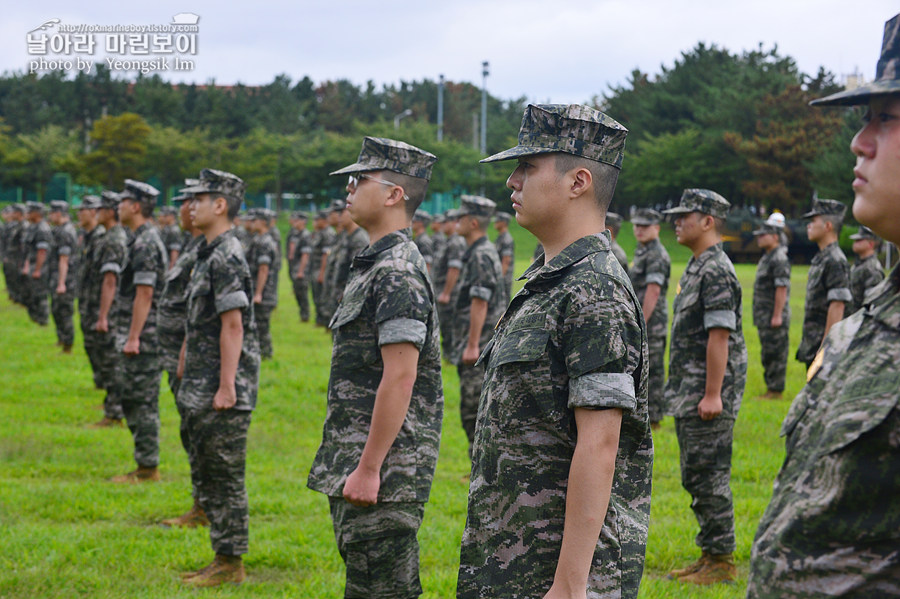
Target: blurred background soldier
x: 329, y: 261
x: 170, y: 233
x: 614, y: 224
x: 299, y: 249
x: 63, y: 274
x: 38, y: 244
x: 89, y: 269
x: 866, y: 272
x: 448, y: 291
x: 506, y: 249
x: 355, y: 240
x: 424, y: 241
x: 261, y: 257
x: 14, y: 253
x: 771, y: 304
x: 322, y: 240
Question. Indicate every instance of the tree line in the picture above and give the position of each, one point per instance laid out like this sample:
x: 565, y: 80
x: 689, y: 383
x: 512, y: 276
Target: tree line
x: 735, y: 122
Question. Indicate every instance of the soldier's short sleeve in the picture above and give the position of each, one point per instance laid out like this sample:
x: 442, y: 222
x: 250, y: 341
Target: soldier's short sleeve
x: 719, y: 294
x: 305, y: 244
x: 837, y: 281
x: 227, y: 282
x: 602, y: 343
x: 110, y: 256
x: 402, y: 308
x: 656, y: 271
x: 781, y: 273
x: 483, y: 280
x: 146, y: 264
x: 267, y: 255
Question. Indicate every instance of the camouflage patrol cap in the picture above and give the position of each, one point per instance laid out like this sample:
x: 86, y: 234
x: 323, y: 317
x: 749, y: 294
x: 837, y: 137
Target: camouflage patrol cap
x: 219, y: 182
x: 422, y: 216
x: 35, y: 207
x: 887, y: 73
x: 139, y: 192
x: 826, y: 207
x: 20, y: 208
x: 257, y: 214
x: 182, y: 197
x: 572, y: 129
x: 89, y: 202
x: 338, y: 205
x: 109, y: 199
x: 613, y: 220
x: 168, y: 210
x: 322, y: 215
x: 704, y: 201
x: 299, y: 215
x: 476, y: 206
x: 382, y: 154
x: 503, y: 217
x: 646, y: 216
x: 864, y: 233
x: 59, y: 206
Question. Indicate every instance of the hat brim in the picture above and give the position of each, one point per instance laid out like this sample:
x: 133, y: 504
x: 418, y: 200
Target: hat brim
x: 195, y: 189
x: 518, y: 152
x: 643, y: 222
x: 679, y: 210
x: 811, y: 214
x: 857, y: 236
x: 356, y: 167
x: 861, y: 94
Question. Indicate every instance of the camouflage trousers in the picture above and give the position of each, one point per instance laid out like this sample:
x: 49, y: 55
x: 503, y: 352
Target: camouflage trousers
x: 445, y: 318
x: 217, y: 452
x: 138, y: 388
x: 318, y: 301
x: 471, y: 378
x: 774, y: 352
x: 11, y: 277
x: 705, y: 447
x: 263, y: 315
x: 379, y: 545
x: 183, y: 431
x: 656, y: 381
x: 301, y: 293
x: 106, y: 360
x: 63, y: 308
x: 38, y: 300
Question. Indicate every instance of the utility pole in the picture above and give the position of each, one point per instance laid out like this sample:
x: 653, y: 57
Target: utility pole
x: 484, y: 74
x: 440, y: 114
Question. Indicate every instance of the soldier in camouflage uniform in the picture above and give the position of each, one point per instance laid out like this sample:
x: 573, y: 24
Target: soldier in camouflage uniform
x: 866, y: 272
x: 565, y: 392
x: 170, y: 233
x: 438, y: 241
x: 329, y: 261
x: 262, y: 256
x: 323, y: 240
x: 299, y: 249
x: 98, y: 302
x: 704, y: 395
x: 240, y: 230
x: 140, y: 286
x: 38, y: 243
x: 506, y: 249
x: 828, y: 281
x: 614, y: 223
x: 88, y: 270
x: 650, y: 278
x: 220, y: 375
x: 14, y: 256
x: 5, y: 229
x: 423, y: 240
x: 63, y: 274
x: 479, y: 304
x: 382, y: 429
x: 771, y: 305
x: 832, y: 527
x: 448, y: 290
x: 355, y: 240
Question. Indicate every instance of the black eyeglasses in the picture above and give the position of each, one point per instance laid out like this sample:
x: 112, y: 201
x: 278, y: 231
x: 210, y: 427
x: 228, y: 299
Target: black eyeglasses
x: 353, y: 183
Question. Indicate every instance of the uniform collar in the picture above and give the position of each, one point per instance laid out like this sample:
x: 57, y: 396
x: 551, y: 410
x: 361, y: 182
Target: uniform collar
x: 471, y: 248
x: 206, y: 248
x: 708, y: 254
x: 575, y: 252
x: 886, y: 307
x: 368, y: 256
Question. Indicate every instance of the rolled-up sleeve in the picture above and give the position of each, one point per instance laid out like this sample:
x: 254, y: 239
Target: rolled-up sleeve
x: 145, y: 277
x: 110, y: 267
x: 481, y: 293
x: 599, y: 390
x: 839, y: 294
x: 234, y: 300
x: 656, y: 278
x: 719, y: 319
x: 402, y: 330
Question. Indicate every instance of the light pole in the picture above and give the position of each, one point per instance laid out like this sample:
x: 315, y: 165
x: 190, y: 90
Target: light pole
x: 440, y: 114
x: 484, y: 74
x: 400, y: 117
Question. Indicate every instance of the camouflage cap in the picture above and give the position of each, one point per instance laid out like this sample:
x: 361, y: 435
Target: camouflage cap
x: 168, y: 210
x: 704, y: 201
x: 864, y: 233
x: 887, y: 73
x: 299, y: 215
x: 826, y: 207
x: 382, y: 154
x: 35, y: 207
x: 59, y: 206
x: 476, y: 206
x: 503, y: 217
x: 613, y: 219
x: 646, y: 216
x: 451, y: 214
x: 215, y: 181
x: 89, y: 202
x: 767, y: 229
x: 257, y: 214
x: 438, y: 219
x: 110, y: 199
x: 422, y: 216
x: 139, y: 192
x: 270, y: 214
x: 322, y: 215
x: 572, y: 129
x: 20, y: 208
x: 182, y: 197
x: 338, y: 205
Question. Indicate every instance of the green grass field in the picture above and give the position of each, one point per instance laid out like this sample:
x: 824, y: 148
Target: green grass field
x: 66, y: 532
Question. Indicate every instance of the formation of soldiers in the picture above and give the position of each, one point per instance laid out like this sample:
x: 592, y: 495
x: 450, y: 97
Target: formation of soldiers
x: 561, y: 385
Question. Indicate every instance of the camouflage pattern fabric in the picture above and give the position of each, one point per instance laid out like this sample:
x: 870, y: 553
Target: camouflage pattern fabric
x: 62, y: 306
x: 620, y: 255
x: 218, y: 454
x: 574, y: 337
x: 704, y: 201
x: 172, y: 309
x: 241, y: 234
x: 652, y: 265
x: 773, y: 271
x: 171, y: 238
x: 379, y: 154
x: 263, y: 251
x: 833, y: 524
x: 425, y: 243
x: 14, y: 258
x: 302, y: 241
x: 352, y: 245
x: 139, y: 376
x: 329, y: 298
x: 864, y: 275
x: 709, y: 296
x: 321, y: 245
x: 379, y: 545
x: 388, y: 299
x: 38, y: 237
x: 439, y: 243
x: 221, y: 282
x: 506, y: 247
x: 456, y: 249
x: 828, y: 281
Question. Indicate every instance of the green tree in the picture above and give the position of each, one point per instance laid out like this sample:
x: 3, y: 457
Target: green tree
x: 119, y: 148
x: 33, y: 158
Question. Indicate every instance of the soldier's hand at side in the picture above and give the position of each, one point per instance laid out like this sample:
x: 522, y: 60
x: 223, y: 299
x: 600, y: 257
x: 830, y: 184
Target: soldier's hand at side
x: 225, y: 398
x: 776, y: 321
x: 36, y: 274
x: 61, y: 289
x: 132, y: 347
x: 470, y: 355
x: 444, y: 298
x: 555, y: 593
x: 257, y: 299
x: 102, y: 325
x: 709, y: 407
x: 361, y: 487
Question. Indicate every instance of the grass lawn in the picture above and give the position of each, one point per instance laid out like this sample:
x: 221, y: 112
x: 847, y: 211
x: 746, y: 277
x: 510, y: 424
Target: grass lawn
x: 66, y: 532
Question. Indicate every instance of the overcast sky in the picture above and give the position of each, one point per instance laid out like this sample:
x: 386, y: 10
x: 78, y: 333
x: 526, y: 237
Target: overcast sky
x: 557, y: 51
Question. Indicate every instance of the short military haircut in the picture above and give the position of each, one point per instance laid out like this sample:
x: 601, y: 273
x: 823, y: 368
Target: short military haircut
x: 836, y: 220
x: 414, y: 187
x: 604, y: 175
x: 234, y: 206
x: 719, y: 223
